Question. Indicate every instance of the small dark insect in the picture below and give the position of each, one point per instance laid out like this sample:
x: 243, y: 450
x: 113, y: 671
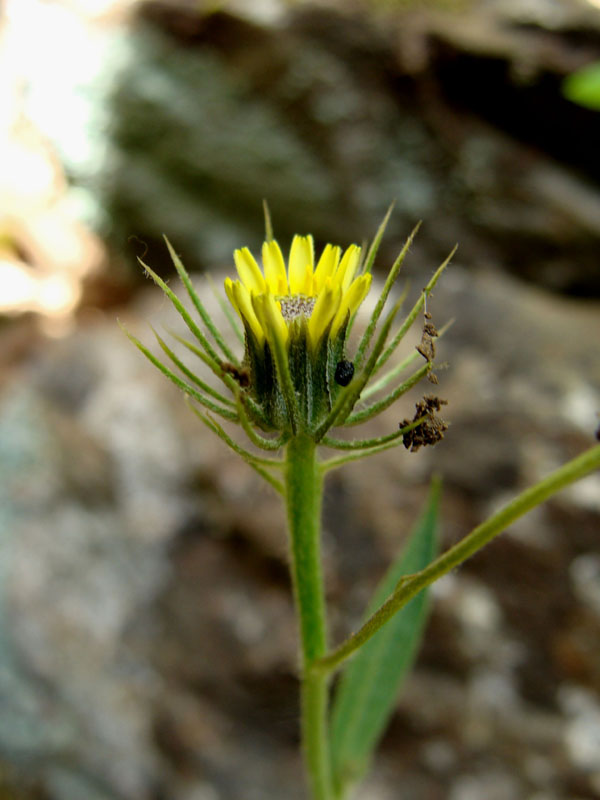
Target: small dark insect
x: 344, y: 372
x: 239, y: 374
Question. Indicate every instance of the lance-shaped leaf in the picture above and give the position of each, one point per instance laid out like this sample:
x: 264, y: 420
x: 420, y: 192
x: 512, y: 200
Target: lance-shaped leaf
x: 367, y: 692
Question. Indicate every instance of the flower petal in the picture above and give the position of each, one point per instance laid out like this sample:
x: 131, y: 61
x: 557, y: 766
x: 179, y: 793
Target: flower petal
x: 274, y: 267
x: 347, y: 267
x: 268, y: 311
x: 326, y: 305
x: 230, y: 294
x: 243, y: 305
x: 249, y: 271
x: 301, y: 256
x: 307, y: 286
x: 330, y: 258
x: 351, y: 300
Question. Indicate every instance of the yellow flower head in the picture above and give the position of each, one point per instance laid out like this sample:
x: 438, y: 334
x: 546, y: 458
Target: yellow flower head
x: 296, y: 376
x: 326, y: 295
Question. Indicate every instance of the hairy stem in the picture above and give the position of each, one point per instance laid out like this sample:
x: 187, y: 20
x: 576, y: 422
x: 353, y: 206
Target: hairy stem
x: 304, y: 489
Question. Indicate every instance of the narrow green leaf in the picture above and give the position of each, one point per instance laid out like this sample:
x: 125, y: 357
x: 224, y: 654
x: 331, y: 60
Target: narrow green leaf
x: 358, y: 455
x: 407, y: 324
x: 376, y: 408
x: 368, y: 690
x: 393, y: 373
x: 189, y: 374
x: 367, y: 444
x: 371, y: 255
x: 254, y: 461
x: 199, y: 305
x: 222, y: 434
x: 390, y: 280
x: 185, y: 387
x: 220, y: 373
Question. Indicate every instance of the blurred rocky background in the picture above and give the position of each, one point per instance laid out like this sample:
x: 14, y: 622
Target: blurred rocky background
x: 147, y: 638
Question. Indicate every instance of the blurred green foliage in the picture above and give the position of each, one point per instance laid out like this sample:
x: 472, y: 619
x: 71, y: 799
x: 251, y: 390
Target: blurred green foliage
x: 583, y: 87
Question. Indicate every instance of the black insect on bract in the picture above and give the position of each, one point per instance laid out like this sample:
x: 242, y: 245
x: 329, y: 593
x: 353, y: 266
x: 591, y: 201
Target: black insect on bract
x: 344, y: 372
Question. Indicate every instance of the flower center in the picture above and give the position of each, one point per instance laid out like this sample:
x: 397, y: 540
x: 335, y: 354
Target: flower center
x: 293, y: 306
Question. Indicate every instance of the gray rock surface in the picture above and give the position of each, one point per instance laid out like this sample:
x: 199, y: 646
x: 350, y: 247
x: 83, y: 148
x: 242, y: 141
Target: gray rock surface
x: 330, y: 115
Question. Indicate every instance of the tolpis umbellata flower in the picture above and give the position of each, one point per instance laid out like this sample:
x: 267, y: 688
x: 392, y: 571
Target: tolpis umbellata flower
x: 298, y: 374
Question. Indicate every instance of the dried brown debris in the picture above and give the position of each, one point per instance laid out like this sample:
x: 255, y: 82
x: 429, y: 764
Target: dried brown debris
x: 431, y: 430
x: 426, y: 346
x: 239, y: 374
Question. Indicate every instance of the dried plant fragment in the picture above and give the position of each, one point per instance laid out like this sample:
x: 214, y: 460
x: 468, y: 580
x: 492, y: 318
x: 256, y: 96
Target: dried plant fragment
x: 426, y: 346
x: 431, y: 431
x: 239, y: 374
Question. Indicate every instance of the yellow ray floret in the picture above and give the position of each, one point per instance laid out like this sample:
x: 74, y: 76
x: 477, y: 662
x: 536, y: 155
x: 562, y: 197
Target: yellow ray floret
x: 325, y: 308
x: 348, y: 265
x: 351, y: 300
x: 274, y: 267
x: 300, y: 264
x: 239, y: 297
x: 327, y: 265
x: 268, y: 312
x: 326, y: 295
x: 249, y: 271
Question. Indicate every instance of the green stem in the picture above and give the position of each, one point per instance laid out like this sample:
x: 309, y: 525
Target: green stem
x: 411, y: 585
x: 304, y: 489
